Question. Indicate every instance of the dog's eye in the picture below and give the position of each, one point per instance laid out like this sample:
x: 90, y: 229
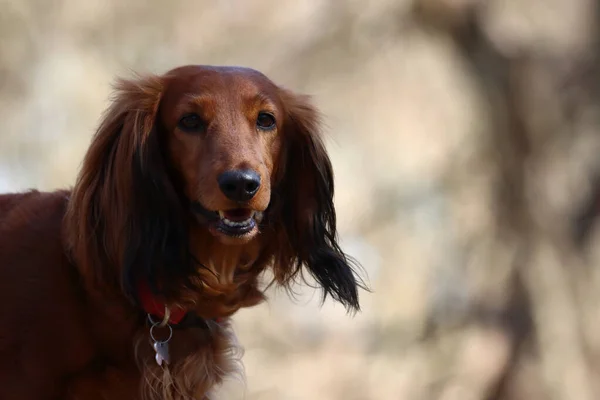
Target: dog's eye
x: 191, y: 123
x: 265, y: 121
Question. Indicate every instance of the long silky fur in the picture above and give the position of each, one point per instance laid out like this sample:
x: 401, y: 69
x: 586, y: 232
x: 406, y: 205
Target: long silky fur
x: 305, y: 217
x: 196, y: 374
x: 126, y: 220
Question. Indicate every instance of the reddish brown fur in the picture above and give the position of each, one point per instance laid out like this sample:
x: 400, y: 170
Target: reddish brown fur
x: 71, y: 326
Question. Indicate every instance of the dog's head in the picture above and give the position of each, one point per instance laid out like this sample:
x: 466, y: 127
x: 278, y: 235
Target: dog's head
x: 208, y: 159
x: 222, y: 131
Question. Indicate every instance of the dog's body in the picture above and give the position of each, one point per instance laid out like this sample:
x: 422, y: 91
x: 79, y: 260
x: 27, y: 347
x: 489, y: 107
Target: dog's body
x: 196, y: 182
x: 56, y: 342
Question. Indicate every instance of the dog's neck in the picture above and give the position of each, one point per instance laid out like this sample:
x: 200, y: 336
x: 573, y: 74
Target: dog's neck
x: 224, y: 260
x: 230, y: 273
x: 227, y: 281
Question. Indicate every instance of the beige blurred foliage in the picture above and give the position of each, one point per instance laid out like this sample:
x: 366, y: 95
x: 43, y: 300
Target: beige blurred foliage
x: 464, y: 137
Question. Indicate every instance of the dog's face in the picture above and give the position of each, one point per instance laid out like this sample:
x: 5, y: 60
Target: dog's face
x: 197, y: 180
x: 223, y: 135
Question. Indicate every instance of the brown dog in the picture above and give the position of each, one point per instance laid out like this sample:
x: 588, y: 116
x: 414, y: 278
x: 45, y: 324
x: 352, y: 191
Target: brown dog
x: 195, y: 183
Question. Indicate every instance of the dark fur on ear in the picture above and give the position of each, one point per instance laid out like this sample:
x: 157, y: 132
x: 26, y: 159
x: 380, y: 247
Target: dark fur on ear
x: 125, y: 217
x: 305, y: 212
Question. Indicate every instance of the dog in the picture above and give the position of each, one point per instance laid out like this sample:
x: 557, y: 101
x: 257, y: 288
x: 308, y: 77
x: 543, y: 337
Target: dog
x: 197, y: 184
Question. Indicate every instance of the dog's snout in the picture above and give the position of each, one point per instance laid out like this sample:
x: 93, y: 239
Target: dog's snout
x: 239, y: 184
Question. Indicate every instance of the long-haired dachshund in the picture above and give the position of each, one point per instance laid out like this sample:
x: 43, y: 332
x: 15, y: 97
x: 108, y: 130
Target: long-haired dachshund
x: 196, y: 183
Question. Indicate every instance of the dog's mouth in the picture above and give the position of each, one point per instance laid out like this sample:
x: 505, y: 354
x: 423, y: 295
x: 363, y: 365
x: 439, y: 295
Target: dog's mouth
x: 235, y: 222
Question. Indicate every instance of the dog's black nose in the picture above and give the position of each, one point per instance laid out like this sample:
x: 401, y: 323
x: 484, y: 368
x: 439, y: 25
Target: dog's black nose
x: 239, y: 184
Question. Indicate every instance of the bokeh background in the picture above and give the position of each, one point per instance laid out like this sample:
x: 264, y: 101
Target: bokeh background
x: 465, y: 140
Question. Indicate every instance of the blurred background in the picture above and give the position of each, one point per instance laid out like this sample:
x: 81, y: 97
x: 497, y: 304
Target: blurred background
x: 465, y: 140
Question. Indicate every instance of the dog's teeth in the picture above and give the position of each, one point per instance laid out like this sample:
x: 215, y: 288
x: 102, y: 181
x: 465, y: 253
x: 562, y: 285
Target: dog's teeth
x: 231, y: 223
x: 237, y: 224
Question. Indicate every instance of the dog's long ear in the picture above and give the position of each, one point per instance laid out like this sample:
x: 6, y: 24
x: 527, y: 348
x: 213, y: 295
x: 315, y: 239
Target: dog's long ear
x: 305, y: 212
x: 124, y: 218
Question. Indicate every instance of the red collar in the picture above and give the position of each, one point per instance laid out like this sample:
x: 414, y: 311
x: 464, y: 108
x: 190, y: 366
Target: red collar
x: 155, y: 307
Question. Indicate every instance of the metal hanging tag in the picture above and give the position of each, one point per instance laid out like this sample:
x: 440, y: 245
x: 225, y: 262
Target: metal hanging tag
x: 162, y: 352
x: 161, y: 347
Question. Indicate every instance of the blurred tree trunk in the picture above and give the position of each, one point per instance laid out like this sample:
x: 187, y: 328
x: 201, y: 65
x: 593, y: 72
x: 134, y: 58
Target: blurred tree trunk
x: 538, y: 103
